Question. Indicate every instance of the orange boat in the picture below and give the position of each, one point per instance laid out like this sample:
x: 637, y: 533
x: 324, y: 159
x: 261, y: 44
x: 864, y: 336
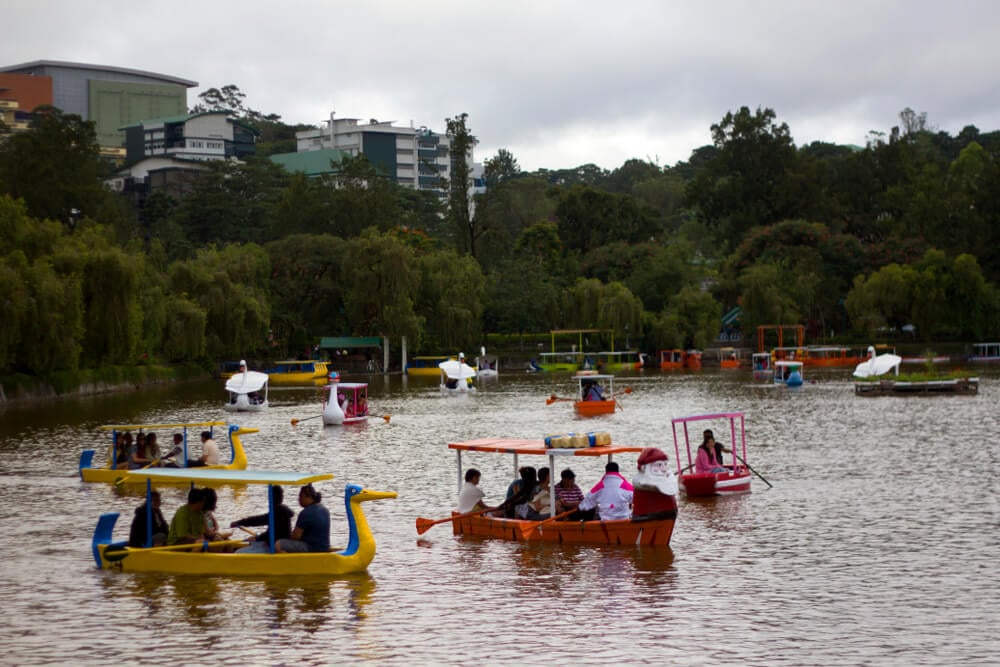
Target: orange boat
x: 652, y: 528
x: 832, y: 356
x: 692, y: 359
x: 672, y: 359
x: 729, y: 357
x: 595, y: 394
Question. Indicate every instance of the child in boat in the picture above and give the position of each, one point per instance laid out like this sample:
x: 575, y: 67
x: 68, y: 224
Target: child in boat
x: 569, y: 496
x: 519, y: 492
x: 538, y: 508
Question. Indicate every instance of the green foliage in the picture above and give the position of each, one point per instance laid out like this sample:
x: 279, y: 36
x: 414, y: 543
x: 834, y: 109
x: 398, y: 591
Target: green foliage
x: 690, y: 320
x: 450, y: 298
x: 462, y: 143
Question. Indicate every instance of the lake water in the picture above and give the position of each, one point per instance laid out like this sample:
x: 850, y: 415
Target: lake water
x: 877, y: 545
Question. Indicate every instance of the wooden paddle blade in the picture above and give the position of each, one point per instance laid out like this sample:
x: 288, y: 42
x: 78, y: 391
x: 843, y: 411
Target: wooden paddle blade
x: 423, y: 525
x: 550, y: 401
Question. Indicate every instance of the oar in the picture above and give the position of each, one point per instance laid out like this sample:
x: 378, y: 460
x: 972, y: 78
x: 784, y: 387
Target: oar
x: 754, y: 471
x: 553, y: 398
x: 201, y: 545
x: 526, y: 533
x: 296, y: 421
x: 247, y: 530
x: 423, y: 525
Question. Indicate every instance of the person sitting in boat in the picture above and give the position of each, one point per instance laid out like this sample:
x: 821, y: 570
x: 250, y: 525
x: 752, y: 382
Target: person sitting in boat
x: 592, y: 391
x: 138, y: 531
x: 212, y: 532
x: 209, y: 452
x: 611, y: 497
x: 655, y: 486
x: 569, y: 496
x: 188, y: 523
x: 345, y: 404
x: 283, y: 516
x: 140, y: 456
x: 538, y: 507
x: 709, y: 454
x: 519, y: 492
x: 312, y: 528
x: 122, y: 450
x: 470, y: 498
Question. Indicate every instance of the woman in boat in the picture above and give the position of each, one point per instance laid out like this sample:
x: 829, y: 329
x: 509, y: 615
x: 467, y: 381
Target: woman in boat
x: 538, y: 508
x: 520, y: 492
x: 283, y: 515
x: 139, y: 455
x: 709, y: 454
x: 122, y: 451
x: 138, y: 530
x: 312, y: 528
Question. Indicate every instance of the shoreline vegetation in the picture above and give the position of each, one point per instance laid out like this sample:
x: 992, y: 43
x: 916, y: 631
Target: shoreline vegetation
x: 18, y: 388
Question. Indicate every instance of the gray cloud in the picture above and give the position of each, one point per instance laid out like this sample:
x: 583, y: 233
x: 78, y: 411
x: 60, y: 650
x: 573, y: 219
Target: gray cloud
x: 556, y: 83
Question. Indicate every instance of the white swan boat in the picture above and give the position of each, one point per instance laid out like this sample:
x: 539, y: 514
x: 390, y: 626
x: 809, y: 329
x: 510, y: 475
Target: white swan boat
x: 345, y: 403
x: 245, y: 391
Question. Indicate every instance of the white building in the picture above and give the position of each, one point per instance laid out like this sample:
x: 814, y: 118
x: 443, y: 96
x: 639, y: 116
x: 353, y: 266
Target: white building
x: 416, y: 158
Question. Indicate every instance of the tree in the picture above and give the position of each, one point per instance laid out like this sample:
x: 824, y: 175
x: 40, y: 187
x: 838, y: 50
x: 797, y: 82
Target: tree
x: 460, y: 184
x: 54, y: 166
x: 450, y: 299
x: 745, y: 185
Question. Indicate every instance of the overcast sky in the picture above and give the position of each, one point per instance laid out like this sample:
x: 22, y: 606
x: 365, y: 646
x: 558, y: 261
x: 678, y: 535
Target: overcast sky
x: 557, y: 83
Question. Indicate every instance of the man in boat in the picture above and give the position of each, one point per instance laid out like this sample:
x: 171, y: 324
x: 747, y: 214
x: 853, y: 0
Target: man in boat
x: 612, y: 496
x: 209, y: 452
x: 592, y: 391
x: 471, y: 497
x: 188, y: 524
x: 655, y: 486
x: 283, y: 516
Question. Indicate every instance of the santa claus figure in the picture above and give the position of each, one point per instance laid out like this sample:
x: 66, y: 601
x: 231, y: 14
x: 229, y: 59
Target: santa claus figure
x: 655, y: 487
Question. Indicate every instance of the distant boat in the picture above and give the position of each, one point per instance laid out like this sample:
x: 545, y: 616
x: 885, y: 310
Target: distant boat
x: 245, y: 391
x: 298, y: 372
x: 788, y: 373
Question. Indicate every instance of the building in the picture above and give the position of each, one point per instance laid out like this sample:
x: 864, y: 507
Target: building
x: 20, y: 95
x: 416, y: 158
x: 206, y: 135
x: 111, y: 97
x: 167, y: 154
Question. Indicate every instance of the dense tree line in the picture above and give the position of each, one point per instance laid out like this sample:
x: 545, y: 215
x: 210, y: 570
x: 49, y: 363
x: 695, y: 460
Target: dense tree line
x: 853, y: 241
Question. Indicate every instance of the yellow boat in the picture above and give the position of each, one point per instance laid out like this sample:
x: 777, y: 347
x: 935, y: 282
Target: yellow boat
x: 427, y: 365
x: 198, y: 559
x: 309, y: 371
x: 108, y: 474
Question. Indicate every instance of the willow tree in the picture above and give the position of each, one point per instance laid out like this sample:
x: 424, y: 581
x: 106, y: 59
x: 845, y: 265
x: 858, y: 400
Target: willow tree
x: 450, y: 299
x: 383, y: 280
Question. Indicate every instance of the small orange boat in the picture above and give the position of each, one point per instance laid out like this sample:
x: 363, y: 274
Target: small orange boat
x: 729, y: 357
x: 672, y: 359
x: 595, y: 394
x: 652, y: 528
x: 692, y: 359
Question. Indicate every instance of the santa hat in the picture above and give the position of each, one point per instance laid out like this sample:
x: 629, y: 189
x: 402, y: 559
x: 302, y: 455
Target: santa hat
x: 650, y: 455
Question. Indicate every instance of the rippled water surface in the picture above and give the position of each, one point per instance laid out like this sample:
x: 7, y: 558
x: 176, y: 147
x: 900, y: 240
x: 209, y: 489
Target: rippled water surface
x: 877, y: 545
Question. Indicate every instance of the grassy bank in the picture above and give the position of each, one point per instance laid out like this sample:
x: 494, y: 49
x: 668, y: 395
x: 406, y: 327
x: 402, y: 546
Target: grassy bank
x: 93, y: 380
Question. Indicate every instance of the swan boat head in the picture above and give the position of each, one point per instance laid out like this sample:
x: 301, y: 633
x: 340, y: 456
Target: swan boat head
x: 360, y: 538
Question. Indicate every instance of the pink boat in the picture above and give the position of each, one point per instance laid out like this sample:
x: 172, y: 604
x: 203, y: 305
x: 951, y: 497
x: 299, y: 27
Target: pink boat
x: 736, y: 477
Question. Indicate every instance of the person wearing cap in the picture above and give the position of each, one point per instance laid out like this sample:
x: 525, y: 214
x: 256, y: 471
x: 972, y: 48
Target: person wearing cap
x: 569, y: 496
x: 611, y: 497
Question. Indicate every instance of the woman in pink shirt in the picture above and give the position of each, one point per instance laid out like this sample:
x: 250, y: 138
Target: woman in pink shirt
x: 709, y: 455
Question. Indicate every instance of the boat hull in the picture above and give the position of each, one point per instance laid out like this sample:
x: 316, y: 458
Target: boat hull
x: 652, y: 533
x: 174, y: 561
x: 115, y: 476
x: 592, y: 408
x: 245, y: 407
x: 706, y: 484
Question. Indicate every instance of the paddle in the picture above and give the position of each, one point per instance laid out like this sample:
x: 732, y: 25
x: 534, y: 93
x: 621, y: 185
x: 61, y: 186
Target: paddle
x: 526, y: 533
x: 423, y: 525
x: 247, y: 530
x: 754, y: 471
x: 553, y: 398
x: 296, y: 421
x: 173, y: 452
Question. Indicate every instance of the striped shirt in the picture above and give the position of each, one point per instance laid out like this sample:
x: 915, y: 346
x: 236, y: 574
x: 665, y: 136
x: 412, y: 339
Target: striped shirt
x: 572, y: 496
